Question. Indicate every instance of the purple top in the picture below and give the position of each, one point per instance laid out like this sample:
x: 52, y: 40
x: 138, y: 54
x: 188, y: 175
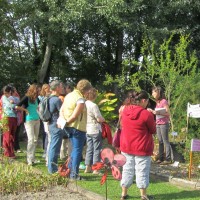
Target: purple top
x: 164, y: 119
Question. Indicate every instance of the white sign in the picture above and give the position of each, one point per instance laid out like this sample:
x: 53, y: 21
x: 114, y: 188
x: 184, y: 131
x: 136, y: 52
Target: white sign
x: 193, y: 110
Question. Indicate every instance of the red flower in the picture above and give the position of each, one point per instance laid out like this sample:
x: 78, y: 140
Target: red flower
x: 110, y: 161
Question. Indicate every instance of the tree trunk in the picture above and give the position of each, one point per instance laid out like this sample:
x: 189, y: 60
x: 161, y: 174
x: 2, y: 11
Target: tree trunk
x: 118, y: 59
x: 46, y: 61
x: 119, y: 51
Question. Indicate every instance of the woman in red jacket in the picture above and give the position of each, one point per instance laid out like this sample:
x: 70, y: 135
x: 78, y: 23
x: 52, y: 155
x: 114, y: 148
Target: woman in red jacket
x: 138, y: 127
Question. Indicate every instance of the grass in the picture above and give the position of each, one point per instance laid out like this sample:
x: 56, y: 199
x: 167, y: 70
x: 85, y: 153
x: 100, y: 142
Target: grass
x: 159, y: 189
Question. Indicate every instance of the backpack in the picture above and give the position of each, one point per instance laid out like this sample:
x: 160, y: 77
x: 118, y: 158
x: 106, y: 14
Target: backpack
x: 43, y: 109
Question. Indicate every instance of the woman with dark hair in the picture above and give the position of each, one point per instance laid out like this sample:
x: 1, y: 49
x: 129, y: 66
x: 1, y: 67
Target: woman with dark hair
x: 128, y: 100
x: 16, y: 99
x: 9, y: 111
x: 162, y: 125
x: 29, y: 104
x: 136, y: 144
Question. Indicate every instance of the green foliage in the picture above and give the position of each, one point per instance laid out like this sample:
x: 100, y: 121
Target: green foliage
x: 3, y: 121
x: 173, y: 66
x: 107, y: 103
x: 18, y: 177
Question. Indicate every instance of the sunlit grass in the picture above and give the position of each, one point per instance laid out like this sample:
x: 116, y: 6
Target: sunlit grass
x: 40, y: 180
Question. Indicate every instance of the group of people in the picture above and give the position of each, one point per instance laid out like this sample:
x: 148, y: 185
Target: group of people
x: 82, y: 126
x: 75, y: 106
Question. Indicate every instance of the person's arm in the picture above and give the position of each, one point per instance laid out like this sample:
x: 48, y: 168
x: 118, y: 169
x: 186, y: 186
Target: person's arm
x: 19, y: 106
x: 58, y: 105
x: 166, y: 114
x: 98, y: 115
x: 77, y: 111
x: 157, y: 112
x: 151, y: 125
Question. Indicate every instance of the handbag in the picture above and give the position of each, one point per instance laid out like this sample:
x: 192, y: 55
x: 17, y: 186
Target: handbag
x: 116, y: 138
x: 63, y: 169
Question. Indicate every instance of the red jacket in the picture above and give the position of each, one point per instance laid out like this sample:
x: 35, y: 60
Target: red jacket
x: 138, y: 125
x: 106, y: 132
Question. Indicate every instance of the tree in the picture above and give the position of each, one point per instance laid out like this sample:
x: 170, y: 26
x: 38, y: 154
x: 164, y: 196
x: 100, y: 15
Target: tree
x: 172, y: 66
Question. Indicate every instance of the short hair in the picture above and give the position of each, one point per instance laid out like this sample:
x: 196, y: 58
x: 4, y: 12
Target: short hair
x: 7, y: 89
x: 83, y: 86
x: 54, y: 84
x: 69, y: 85
x: 92, y: 94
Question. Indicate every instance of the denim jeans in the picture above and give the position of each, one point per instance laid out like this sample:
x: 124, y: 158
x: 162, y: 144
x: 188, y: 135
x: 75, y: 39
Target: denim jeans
x: 94, y: 145
x: 138, y: 166
x: 162, y: 134
x: 77, y: 139
x: 54, y: 147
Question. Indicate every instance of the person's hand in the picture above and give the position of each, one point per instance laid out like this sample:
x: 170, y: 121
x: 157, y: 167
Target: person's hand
x: 152, y: 111
x: 149, y: 109
x: 26, y: 111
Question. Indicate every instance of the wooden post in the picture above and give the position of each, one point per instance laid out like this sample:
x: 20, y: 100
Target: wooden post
x: 187, y: 127
x: 190, y: 166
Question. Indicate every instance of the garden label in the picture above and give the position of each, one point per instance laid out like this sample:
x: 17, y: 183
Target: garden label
x: 195, y: 145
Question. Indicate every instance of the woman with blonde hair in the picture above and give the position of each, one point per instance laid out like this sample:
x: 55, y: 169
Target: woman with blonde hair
x: 74, y: 112
x: 29, y: 104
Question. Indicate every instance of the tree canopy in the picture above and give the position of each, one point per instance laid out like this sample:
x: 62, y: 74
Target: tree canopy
x: 85, y: 38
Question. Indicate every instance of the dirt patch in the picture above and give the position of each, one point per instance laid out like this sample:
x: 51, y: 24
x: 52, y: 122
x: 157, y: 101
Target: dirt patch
x: 58, y: 192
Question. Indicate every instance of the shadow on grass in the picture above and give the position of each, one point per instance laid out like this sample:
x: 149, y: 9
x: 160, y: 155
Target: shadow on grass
x: 179, y: 195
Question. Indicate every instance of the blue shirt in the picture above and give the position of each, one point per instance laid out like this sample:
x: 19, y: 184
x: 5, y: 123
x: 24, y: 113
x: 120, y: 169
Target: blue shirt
x: 8, y: 108
x: 54, y: 108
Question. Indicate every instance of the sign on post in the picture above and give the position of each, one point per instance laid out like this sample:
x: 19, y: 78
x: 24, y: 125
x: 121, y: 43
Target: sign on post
x: 195, y: 147
x: 193, y: 110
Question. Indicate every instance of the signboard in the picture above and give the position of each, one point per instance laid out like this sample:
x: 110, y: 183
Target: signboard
x: 193, y: 110
x: 195, y: 145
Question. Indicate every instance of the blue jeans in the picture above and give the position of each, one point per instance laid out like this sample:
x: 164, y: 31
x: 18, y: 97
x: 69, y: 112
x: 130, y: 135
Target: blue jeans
x: 77, y: 139
x: 54, y: 148
x: 162, y: 134
x: 94, y: 145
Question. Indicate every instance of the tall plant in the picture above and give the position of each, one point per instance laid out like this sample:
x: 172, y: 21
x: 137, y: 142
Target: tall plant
x: 171, y: 65
x: 107, y: 103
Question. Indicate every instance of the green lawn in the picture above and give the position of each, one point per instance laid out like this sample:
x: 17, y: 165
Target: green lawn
x: 159, y: 189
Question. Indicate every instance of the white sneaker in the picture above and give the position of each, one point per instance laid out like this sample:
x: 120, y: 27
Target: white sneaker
x: 30, y: 164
